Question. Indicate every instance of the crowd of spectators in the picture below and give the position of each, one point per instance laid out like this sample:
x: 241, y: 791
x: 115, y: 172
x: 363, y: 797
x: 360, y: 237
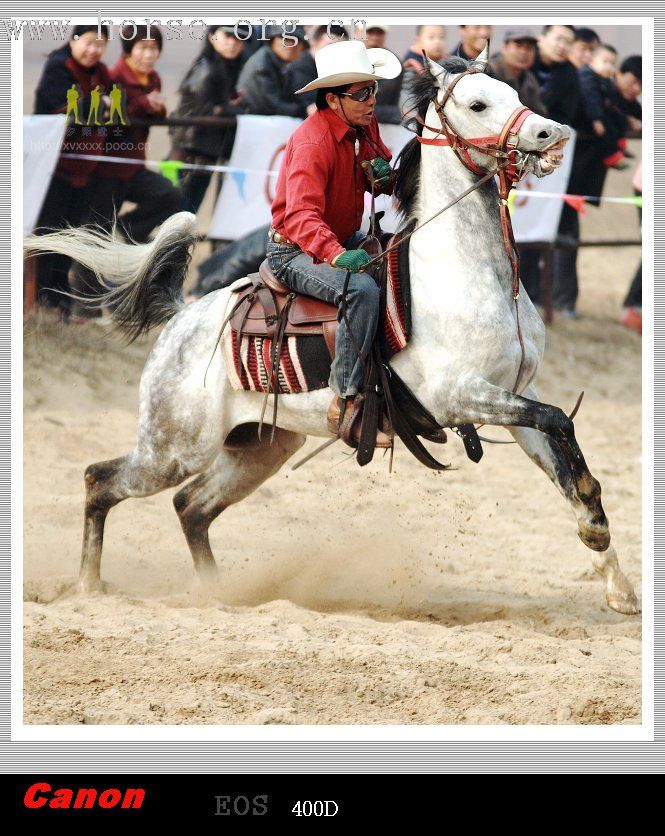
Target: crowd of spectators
x: 561, y: 72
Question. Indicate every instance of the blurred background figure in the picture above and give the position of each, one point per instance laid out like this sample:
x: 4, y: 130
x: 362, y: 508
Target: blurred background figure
x: 76, y: 63
x: 557, y: 77
x: 513, y: 66
x: 155, y: 197
x: 591, y: 161
x: 429, y: 39
x: 301, y: 71
x: 472, y: 41
x: 387, y: 108
x: 632, y: 305
x: 560, y: 93
x: 600, y: 115
x: 209, y: 88
x: 584, y: 43
x: 262, y: 81
x: 628, y: 89
x: 237, y: 259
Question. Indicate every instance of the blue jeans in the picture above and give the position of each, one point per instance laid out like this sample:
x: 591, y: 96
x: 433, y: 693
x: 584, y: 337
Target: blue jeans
x: 298, y: 272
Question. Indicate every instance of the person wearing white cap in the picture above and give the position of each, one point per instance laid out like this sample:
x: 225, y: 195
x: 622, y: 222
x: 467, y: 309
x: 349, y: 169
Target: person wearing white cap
x: 319, y: 203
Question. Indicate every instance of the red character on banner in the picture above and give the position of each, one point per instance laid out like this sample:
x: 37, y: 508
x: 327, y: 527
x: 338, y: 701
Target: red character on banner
x: 275, y: 160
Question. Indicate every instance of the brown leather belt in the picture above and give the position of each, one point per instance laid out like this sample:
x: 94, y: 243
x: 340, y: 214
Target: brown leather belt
x: 278, y: 238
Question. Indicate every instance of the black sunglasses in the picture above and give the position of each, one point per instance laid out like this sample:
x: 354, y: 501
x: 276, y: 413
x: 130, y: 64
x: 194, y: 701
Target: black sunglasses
x: 364, y: 93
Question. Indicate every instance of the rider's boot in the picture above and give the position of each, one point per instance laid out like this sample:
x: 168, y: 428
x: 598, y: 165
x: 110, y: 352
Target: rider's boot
x: 345, y: 419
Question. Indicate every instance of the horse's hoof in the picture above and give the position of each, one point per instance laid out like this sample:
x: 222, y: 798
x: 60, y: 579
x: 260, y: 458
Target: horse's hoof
x: 625, y: 603
x: 597, y: 539
x: 90, y: 586
x: 207, y: 575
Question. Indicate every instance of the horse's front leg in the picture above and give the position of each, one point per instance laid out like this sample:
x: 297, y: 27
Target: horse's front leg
x: 547, y: 435
x: 481, y: 402
x: 549, y: 456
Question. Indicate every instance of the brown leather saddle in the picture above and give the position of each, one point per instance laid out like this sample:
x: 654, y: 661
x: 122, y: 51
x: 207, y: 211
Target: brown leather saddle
x: 270, y: 303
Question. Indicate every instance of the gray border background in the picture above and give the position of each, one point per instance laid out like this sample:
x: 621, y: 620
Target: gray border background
x: 319, y: 756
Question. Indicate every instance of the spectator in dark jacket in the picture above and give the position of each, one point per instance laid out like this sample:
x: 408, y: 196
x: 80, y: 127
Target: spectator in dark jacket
x: 560, y: 93
x: 387, y: 108
x: 586, y: 40
x: 77, y: 64
x: 512, y: 66
x: 587, y: 177
x: 559, y: 84
x: 472, y: 41
x: 208, y: 89
x: 300, y: 72
x: 262, y: 82
x: 628, y: 89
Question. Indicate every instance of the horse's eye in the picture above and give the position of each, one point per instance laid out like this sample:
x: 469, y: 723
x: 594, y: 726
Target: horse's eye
x: 478, y: 106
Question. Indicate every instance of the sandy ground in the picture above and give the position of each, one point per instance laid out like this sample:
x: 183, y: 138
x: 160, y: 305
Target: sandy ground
x: 346, y: 595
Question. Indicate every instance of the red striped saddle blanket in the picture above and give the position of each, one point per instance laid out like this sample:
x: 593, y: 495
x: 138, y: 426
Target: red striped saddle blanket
x: 305, y: 356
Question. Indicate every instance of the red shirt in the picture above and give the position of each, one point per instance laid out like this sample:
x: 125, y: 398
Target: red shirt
x: 319, y: 199
x: 130, y: 141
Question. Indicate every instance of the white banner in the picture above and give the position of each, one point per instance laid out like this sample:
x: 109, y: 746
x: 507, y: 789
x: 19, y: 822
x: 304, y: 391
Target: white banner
x: 244, y: 202
x: 246, y: 196
x: 42, y: 140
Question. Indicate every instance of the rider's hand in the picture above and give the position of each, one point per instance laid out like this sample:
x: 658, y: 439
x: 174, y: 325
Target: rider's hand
x: 598, y: 127
x: 381, y: 170
x: 351, y: 260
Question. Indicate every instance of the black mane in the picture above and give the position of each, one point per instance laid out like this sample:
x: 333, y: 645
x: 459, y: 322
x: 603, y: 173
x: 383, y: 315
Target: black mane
x: 422, y: 90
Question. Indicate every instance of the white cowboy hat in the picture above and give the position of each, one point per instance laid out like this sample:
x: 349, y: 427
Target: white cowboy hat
x: 358, y: 63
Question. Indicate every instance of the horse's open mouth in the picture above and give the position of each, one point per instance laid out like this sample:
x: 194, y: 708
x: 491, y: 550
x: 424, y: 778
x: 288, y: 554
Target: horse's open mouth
x: 552, y: 157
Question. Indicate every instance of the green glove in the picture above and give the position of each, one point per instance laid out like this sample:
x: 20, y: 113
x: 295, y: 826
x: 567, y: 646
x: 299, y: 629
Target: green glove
x: 351, y: 260
x: 382, y: 171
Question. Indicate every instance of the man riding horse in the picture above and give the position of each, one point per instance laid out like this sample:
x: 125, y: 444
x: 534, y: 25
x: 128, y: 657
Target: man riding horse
x: 318, y: 209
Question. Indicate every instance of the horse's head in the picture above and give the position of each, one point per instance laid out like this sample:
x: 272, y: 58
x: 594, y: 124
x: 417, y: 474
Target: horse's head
x: 477, y: 106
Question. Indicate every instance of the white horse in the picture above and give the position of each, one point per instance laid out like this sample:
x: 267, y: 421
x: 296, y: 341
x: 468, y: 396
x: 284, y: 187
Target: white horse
x: 461, y: 362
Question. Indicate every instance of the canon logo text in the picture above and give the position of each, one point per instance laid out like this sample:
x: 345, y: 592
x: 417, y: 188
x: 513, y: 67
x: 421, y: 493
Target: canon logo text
x: 43, y: 795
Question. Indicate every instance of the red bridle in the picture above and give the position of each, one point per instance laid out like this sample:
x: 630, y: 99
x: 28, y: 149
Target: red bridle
x: 502, y: 147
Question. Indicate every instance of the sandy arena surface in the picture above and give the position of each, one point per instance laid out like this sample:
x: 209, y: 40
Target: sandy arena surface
x: 346, y: 595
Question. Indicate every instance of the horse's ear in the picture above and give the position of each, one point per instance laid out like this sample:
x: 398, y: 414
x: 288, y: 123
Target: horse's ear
x: 434, y: 69
x: 483, y: 59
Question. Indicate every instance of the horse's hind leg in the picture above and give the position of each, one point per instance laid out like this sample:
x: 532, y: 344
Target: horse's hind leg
x: 233, y: 475
x: 549, y: 456
x: 108, y: 483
